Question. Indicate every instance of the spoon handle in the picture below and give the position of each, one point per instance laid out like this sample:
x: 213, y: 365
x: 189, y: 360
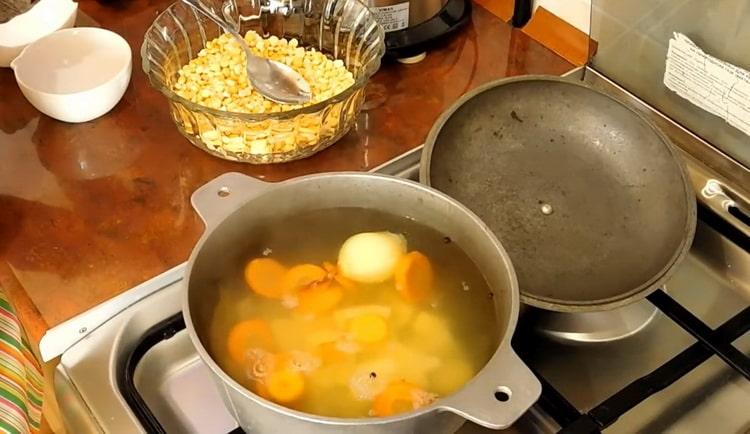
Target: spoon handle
x: 210, y: 14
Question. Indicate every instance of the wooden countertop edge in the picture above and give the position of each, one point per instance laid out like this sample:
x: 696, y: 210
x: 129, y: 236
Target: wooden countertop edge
x: 26, y: 311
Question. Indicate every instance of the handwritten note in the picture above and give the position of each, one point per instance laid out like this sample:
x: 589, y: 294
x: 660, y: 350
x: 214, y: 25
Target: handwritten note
x: 714, y: 85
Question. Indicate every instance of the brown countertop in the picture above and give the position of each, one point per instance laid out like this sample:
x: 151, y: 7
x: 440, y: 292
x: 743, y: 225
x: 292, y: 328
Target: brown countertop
x: 89, y: 210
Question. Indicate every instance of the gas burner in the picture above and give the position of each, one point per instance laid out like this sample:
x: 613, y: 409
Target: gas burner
x: 591, y: 327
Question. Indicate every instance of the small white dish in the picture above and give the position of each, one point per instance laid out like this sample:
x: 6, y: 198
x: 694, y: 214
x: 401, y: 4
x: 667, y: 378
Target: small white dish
x: 43, y: 18
x: 75, y: 75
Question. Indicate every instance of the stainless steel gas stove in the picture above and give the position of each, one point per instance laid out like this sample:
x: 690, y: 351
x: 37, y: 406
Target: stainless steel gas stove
x: 676, y: 362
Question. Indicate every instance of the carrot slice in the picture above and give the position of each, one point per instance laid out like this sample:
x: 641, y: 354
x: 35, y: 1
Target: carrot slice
x: 330, y: 268
x: 368, y: 328
x: 264, y: 276
x: 285, y: 386
x: 261, y: 389
x: 333, y: 273
x: 344, y: 281
x: 302, y: 276
x: 253, y: 333
x: 414, y: 277
x: 399, y: 397
x: 319, y: 299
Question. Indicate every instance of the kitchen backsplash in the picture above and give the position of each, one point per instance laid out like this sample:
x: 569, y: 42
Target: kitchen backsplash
x: 575, y: 12
x: 633, y: 39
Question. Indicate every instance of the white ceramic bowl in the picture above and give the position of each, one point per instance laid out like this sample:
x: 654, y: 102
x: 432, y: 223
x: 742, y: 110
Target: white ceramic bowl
x: 75, y: 75
x: 43, y: 18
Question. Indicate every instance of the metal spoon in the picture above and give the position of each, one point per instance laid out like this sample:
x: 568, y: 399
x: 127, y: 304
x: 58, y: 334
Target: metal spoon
x: 274, y: 80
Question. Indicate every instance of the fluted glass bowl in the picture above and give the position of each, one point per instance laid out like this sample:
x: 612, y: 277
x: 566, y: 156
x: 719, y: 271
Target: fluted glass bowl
x: 342, y: 29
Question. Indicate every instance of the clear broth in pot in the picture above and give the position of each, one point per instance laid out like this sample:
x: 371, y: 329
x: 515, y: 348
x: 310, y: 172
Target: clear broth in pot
x: 296, y: 329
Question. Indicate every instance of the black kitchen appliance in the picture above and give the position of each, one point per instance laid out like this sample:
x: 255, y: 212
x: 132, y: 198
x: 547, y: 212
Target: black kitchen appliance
x: 414, y: 26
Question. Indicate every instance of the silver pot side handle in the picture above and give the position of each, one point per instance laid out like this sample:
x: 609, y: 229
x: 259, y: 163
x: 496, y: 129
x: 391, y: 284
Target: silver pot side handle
x: 219, y: 197
x: 503, y: 391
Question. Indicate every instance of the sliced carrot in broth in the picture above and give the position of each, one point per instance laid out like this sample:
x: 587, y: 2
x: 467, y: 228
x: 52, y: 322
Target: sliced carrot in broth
x: 330, y: 268
x: 333, y: 273
x: 285, y: 386
x: 248, y: 334
x: 264, y: 276
x: 260, y: 389
x: 414, y: 277
x: 399, y: 397
x: 302, y: 276
x: 344, y: 281
x: 319, y: 299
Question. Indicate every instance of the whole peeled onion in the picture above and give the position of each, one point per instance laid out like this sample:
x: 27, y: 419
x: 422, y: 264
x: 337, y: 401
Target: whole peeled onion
x: 371, y: 257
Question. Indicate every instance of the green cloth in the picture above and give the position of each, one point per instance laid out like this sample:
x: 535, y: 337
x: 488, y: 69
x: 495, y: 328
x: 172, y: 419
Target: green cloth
x: 21, y: 384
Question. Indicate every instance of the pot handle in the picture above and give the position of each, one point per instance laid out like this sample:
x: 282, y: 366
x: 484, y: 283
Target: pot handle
x: 503, y: 391
x: 225, y: 193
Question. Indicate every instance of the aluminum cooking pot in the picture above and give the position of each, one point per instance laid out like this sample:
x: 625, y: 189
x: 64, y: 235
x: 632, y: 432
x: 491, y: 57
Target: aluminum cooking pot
x: 235, y: 207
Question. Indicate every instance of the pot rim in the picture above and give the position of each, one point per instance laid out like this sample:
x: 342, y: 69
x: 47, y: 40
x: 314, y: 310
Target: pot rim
x: 503, y: 346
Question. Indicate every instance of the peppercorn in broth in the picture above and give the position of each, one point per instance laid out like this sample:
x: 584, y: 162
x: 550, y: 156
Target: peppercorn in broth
x: 352, y: 313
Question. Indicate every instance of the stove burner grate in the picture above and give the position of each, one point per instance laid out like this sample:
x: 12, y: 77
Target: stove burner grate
x: 710, y: 342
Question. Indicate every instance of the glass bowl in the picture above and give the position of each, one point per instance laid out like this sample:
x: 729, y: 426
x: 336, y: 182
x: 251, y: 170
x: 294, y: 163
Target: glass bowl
x: 342, y: 29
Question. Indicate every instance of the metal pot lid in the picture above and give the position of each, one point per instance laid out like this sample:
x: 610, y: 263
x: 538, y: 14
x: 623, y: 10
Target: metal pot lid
x: 589, y: 199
